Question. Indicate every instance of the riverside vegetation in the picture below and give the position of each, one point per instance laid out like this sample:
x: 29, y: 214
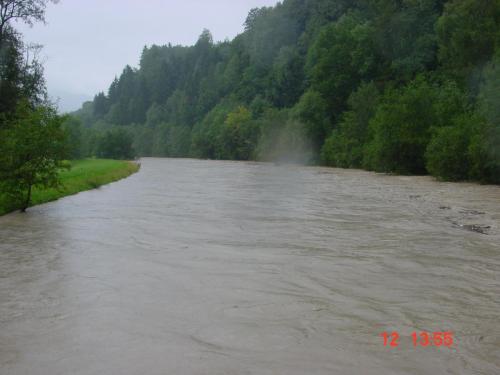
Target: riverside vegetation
x: 35, y: 141
x: 82, y: 175
x: 410, y: 87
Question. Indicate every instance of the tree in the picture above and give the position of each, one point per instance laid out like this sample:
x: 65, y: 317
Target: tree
x: 32, y: 152
x: 447, y: 155
x: 28, y: 11
x: 101, y: 105
x: 312, y: 112
x: 402, y: 124
x: 73, y: 128
x: 21, y: 75
x: 11, y: 61
x: 468, y: 32
x: 484, y: 148
x: 343, y: 56
x: 286, y: 78
x: 489, y: 94
x: 115, y: 144
x: 468, y: 147
x: 405, y: 36
x: 344, y: 147
x: 239, y: 136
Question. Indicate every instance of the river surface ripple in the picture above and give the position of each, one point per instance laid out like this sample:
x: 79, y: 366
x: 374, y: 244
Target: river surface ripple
x: 204, y: 267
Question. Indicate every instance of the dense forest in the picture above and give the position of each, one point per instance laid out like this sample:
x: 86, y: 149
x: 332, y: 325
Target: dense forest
x: 403, y: 86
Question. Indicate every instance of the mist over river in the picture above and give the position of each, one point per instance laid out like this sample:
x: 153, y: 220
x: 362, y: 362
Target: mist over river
x: 209, y: 267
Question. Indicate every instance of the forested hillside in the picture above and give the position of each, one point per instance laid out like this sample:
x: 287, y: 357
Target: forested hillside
x: 404, y: 86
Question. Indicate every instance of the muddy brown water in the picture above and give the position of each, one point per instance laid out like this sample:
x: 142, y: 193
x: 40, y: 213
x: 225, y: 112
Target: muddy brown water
x: 204, y: 267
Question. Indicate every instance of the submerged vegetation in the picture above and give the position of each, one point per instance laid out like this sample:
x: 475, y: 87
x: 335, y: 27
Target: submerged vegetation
x: 80, y: 175
x: 408, y: 87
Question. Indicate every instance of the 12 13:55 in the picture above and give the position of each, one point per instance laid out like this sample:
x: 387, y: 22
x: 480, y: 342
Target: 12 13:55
x: 424, y: 339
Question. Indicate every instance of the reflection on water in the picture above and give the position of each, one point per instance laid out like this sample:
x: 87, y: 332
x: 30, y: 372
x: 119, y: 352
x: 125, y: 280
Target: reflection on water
x: 201, y: 267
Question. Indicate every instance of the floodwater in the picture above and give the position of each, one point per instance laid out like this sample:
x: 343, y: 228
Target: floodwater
x: 205, y: 267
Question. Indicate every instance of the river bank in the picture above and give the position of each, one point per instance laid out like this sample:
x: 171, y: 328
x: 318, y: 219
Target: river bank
x: 84, y: 175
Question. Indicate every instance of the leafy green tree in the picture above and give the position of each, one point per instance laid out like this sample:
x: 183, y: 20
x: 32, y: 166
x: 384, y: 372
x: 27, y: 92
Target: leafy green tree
x: 115, y: 144
x: 259, y: 106
x: 101, y: 105
x: 312, y: 112
x: 485, y: 143
x: 401, y: 127
x: 11, y: 62
x: 27, y: 11
x: 73, y: 129
x: 484, y: 151
x: 144, y: 137
x: 405, y: 36
x: 468, y: 32
x: 286, y: 78
x: 178, y: 108
x: 447, y: 155
x: 21, y: 75
x: 343, y: 56
x: 263, y: 23
x: 207, y: 135
x: 344, y: 147
x: 178, y: 140
x: 239, y: 136
x: 32, y: 152
x: 20, y: 78
x: 489, y: 95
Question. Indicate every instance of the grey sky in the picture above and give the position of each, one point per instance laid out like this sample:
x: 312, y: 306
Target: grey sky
x: 88, y: 42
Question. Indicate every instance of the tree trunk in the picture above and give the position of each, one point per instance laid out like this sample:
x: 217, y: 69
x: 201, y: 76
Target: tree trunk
x: 27, y: 201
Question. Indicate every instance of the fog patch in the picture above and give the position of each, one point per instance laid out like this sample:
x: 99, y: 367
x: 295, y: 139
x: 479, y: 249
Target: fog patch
x: 286, y: 143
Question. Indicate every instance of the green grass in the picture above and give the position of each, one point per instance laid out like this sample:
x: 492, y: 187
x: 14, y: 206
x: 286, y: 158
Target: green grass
x: 84, y: 175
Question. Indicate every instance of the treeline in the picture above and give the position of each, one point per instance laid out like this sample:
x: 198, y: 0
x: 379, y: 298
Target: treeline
x: 403, y: 86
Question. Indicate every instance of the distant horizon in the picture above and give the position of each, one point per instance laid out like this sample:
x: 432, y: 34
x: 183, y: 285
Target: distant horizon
x: 80, y: 63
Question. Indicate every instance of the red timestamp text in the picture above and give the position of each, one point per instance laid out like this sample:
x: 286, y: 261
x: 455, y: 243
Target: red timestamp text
x: 423, y: 339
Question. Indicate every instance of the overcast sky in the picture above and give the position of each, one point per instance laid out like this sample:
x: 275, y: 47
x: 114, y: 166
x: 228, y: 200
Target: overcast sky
x: 88, y: 42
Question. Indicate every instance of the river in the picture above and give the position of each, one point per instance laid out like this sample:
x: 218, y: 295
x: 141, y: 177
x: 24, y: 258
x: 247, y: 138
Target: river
x: 206, y: 267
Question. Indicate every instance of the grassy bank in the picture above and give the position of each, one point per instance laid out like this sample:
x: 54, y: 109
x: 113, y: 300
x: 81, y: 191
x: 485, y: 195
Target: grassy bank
x: 84, y: 175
